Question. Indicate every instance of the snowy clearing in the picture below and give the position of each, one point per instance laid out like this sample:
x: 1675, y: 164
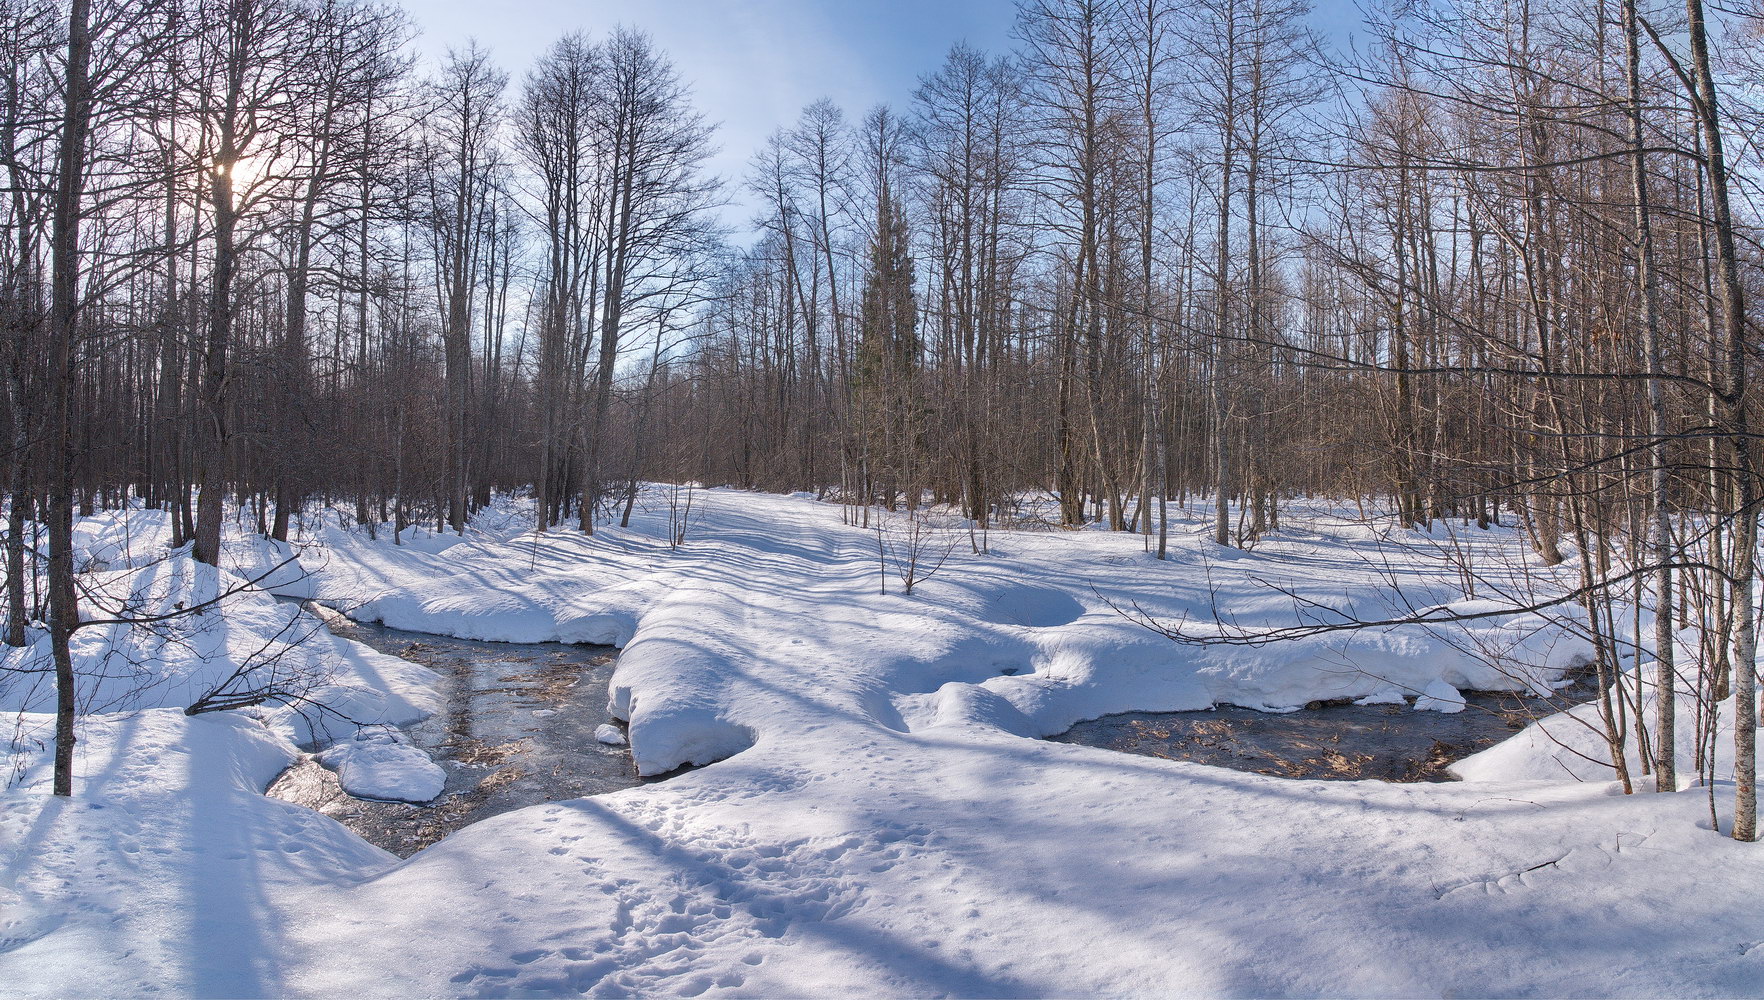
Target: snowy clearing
x: 874, y: 819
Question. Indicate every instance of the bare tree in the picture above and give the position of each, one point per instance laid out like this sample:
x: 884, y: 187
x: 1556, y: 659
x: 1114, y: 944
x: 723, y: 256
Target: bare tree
x: 652, y: 146
x: 461, y: 158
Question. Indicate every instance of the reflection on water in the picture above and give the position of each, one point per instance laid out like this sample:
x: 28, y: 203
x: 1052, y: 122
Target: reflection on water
x: 1345, y: 742
x: 517, y: 729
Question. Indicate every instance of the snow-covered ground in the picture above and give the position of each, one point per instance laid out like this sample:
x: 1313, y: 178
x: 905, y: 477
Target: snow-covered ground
x: 875, y: 820
x: 148, y: 644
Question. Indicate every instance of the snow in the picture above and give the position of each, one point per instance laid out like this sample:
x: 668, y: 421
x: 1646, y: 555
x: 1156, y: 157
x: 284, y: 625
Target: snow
x: 381, y: 763
x: 166, y: 870
x: 249, y: 640
x: 1386, y: 696
x: 1571, y: 745
x: 872, y: 819
x: 1440, y: 697
x: 776, y: 594
x: 609, y: 734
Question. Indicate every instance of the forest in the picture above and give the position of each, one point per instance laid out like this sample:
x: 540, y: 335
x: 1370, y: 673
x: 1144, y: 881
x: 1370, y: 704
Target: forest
x: 1179, y: 270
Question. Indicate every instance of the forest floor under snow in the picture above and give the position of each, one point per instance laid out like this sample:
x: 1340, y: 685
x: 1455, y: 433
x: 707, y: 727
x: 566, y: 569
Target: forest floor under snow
x: 876, y: 816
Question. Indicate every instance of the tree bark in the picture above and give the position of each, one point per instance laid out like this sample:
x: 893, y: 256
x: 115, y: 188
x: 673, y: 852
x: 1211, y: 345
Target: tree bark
x: 63, y: 328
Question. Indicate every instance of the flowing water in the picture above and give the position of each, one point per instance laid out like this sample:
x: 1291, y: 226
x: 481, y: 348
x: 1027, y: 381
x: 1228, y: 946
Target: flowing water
x: 517, y: 729
x: 1343, y: 741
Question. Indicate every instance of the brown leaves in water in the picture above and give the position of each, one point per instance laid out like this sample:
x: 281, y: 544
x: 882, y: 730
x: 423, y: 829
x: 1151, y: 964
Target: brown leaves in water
x: 1230, y: 742
x: 477, y: 753
x: 1318, y: 760
x: 497, y: 779
x: 400, y: 827
x: 1433, y: 767
x: 551, y: 681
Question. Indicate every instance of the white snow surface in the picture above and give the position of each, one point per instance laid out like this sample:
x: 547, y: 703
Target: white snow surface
x: 872, y: 820
x: 609, y: 734
x: 248, y: 640
x: 1571, y: 745
x: 380, y: 763
x: 1439, y: 697
x: 1387, y: 696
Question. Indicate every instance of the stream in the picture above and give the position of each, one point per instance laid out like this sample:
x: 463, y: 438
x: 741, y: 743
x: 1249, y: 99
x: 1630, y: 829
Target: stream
x: 1344, y: 742
x: 517, y: 729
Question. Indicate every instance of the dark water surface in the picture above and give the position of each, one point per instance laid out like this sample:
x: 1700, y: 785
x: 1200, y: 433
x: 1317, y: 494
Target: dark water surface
x: 517, y: 729
x: 1344, y: 742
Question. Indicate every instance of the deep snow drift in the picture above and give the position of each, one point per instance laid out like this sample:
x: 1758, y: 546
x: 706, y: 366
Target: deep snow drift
x: 876, y: 820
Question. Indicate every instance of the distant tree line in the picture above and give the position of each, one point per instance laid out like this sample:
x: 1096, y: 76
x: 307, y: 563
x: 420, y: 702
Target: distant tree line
x: 1496, y: 264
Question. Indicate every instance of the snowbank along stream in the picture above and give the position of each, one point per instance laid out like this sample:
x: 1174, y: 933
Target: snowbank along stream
x: 1388, y: 742
x: 518, y: 729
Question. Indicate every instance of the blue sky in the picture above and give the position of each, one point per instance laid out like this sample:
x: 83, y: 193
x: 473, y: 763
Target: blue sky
x: 753, y: 64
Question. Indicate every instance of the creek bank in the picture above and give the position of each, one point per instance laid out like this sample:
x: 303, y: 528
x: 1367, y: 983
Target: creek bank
x: 1344, y: 742
x: 519, y: 729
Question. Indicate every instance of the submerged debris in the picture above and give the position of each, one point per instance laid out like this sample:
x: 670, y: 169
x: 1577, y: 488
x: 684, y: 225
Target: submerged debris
x: 1329, y: 740
x: 524, y: 724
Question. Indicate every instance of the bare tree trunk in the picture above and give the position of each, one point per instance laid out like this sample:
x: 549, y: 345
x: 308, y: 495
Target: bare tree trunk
x: 1734, y: 348
x: 15, y: 563
x: 63, y: 327
x: 1659, y: 530
x: 212, y: 458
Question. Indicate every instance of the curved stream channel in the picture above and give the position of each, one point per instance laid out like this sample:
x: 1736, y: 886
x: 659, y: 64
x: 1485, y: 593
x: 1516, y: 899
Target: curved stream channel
x: 1343, y: 741
x: 517, y: 729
